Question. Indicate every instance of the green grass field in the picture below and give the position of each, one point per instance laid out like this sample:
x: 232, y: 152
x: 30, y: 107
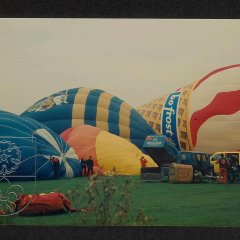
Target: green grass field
x: 205, y: 204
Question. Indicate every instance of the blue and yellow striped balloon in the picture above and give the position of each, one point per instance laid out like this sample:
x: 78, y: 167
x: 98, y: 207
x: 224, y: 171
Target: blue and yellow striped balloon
x: 94, y: 107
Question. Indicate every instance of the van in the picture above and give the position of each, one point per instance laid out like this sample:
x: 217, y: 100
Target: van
x: 216, y: 156
x: 200, y: 161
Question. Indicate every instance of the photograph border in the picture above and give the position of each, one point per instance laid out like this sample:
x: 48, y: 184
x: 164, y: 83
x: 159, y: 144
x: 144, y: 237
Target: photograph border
x: 154, y: 9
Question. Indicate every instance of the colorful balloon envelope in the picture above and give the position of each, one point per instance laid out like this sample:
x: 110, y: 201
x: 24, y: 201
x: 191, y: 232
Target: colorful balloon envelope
x: 28, y: 147
x: 94, y: 107
x: 111, y: 154
x: 202, y: 116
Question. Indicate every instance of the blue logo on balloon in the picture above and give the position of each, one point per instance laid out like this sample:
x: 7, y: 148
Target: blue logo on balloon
x: 169, y: 118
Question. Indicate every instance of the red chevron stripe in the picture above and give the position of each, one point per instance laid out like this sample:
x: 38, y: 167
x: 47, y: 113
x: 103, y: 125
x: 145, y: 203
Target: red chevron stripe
x: 224, y: 103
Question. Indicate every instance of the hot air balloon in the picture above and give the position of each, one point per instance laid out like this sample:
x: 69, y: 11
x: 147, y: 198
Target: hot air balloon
x: 111, y: 154
x: 94, y: 107
x: 27, y: 148
x: 202, y: 116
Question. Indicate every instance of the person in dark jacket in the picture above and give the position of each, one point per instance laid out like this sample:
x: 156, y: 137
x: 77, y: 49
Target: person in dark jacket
x: 90, y: 165
x: 233, y: 169
x: 84, y: 167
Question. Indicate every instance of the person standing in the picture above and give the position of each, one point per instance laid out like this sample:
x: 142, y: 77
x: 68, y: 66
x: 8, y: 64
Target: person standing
x: 84, y: 167
x: 56, y: 164
x: 232, y: 169
x: 223, y: 169
x: 90, y: 165
x: 143, y: 161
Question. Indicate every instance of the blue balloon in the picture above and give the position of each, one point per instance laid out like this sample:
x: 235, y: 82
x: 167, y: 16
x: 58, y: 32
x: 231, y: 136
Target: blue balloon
x: 28, y: 147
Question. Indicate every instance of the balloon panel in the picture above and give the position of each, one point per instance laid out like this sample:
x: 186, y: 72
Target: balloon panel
x: 94, y: 107
x: 110, y: 153
x: 37, y: 144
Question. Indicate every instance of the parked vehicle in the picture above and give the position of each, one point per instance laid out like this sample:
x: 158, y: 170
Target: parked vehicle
x: 199, y: 160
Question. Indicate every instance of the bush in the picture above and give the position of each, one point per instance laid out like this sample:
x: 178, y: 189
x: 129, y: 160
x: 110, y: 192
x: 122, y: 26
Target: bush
x: 110, y: 204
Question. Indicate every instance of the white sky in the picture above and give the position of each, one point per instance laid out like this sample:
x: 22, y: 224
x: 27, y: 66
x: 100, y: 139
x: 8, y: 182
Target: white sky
x: 137, y: 60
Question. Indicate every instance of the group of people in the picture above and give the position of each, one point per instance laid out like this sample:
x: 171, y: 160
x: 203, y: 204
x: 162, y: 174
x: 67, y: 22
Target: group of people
x: 87, y: 166
x: 228, y: 167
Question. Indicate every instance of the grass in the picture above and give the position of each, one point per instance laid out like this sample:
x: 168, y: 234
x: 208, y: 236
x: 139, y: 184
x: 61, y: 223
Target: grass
x: 205, y: 204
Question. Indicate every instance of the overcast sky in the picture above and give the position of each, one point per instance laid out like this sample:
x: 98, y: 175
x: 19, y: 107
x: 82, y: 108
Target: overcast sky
x: 135, y: 59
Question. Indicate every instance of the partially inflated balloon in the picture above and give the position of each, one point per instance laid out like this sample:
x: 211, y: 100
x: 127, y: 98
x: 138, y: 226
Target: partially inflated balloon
x: 202, y: 116
x: 26, y: 148
x: 111, y: 153
x: 94, y: 107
